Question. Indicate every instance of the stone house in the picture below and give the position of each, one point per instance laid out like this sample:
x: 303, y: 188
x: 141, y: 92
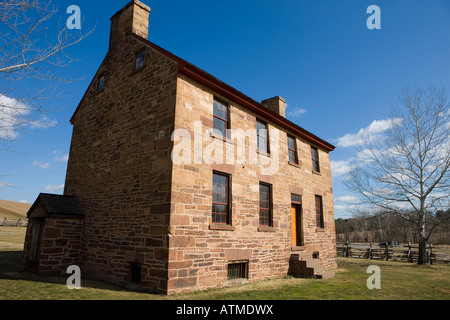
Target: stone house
x: 145, y: 206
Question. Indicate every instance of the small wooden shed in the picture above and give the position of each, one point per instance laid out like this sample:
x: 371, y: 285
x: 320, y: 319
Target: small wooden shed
x: 53, y: 237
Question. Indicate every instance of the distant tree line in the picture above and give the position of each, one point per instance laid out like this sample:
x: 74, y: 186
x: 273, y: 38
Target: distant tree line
x: 376, y: 228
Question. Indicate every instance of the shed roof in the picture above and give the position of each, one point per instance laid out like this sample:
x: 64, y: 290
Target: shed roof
x: 58, y: 205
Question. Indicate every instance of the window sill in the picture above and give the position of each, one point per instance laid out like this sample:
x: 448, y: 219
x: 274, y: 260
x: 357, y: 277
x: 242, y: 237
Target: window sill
x: 266, y: 229
x: 320, y: 229
x: 263, y: 153
x: 316, y: 172
x: 294, y: 164
x: 221, y: 227
x: 220, y: 137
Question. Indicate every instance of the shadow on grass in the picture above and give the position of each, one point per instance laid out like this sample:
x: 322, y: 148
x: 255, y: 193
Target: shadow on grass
x: 11, y: 269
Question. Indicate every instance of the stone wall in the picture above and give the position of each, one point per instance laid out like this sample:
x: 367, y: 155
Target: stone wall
x: 59, y: 245
x: 119, y: 166
x: 200, y: 251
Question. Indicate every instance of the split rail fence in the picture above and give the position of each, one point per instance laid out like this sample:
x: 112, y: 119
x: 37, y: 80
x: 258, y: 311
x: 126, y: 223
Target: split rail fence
x: 406, y: 252
x: 5, y: 222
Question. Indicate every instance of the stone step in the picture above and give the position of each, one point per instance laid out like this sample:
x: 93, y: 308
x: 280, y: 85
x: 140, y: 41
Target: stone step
x: 308, y: 268
x: 325, y: 275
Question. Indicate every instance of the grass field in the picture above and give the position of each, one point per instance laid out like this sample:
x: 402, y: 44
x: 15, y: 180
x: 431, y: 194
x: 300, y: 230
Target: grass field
x: 399, y: 281
x: 13, y: 210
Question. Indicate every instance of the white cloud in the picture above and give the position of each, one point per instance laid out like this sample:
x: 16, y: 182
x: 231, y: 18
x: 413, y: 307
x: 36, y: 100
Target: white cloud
x: 297, y: 112
x: 23, y: 201
x: 16, y: 115
x: 64, y: 158
x: 347, y: 199
x: 54, y: 189
x: 41, y: 165
x: 376, y: 127
x: 11, y: 112
x: 338, y: 168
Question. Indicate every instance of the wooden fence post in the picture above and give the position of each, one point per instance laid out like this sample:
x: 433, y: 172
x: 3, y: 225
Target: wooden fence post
x: 386, y: 253
x: 409, y: 252
x: 429, y: 254
x: 369, y: 251
x: 346, y: 249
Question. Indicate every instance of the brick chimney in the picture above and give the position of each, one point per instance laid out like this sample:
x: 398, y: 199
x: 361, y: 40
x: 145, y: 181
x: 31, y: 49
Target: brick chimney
x: 276, y: 104
x: 133, y: 18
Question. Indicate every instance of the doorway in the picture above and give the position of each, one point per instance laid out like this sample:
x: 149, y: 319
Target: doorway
x: 297, y: 228
x: 36, y: 232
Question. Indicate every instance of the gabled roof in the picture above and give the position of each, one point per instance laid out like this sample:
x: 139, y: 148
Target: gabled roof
x: 58, y: 205
x: 220, y: 87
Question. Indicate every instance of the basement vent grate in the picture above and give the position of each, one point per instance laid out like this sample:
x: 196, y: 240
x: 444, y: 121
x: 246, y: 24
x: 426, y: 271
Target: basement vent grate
x: 238, y: 271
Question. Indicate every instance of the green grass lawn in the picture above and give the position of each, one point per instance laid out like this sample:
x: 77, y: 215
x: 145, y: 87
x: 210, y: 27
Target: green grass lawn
x: 399, y: 281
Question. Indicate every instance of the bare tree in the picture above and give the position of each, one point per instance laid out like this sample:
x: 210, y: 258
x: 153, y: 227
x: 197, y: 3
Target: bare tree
x: 27, y: 51
x: 405, y: 170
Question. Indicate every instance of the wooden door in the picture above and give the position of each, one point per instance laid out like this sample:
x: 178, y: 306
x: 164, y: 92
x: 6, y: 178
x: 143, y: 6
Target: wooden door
x: 36, y: 233
x: 297, y: 234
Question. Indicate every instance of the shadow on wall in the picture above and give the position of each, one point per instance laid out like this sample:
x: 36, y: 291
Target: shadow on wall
x: 11, y: 269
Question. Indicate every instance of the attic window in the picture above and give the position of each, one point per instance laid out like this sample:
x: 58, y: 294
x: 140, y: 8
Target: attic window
x: 101, y: 83
x: 140, y: 60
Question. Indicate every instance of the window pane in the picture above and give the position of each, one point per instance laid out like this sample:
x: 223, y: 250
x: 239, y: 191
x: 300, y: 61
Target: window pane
x: 314, y: 154
x: 319, y: 212
x: 296, y: 198
x: 220, y: 206
x: 101, y: 83
x: 292, y: 157
x: 315, y: 159
x: 220, y: 110
x: 220, y: 126
x: 291, y: 143
x: 262, y: 132
x: 262, y: 144
x: 264, y: 205
x: 140, y: 59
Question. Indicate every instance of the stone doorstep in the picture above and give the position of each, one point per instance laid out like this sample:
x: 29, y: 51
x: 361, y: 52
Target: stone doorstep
x: 325, y: 275
x: 310, y: 268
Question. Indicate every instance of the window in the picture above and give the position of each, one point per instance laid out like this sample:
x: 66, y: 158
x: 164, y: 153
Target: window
x: 265, y: 205
x: 220, y: 118
x: 296, y: 198
x: 140, y: 60
x: 221, y: 199
x: 263, y: 136
x: 101, y: 83
x: 315, y: 159
x: 292, y: 149
x: 319, y: 212
x: 237, y: 271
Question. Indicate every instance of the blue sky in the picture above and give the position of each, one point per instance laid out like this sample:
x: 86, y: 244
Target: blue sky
x: 337, y: 76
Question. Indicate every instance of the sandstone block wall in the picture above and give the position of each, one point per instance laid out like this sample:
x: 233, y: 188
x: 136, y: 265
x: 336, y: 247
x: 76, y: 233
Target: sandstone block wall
x: 59, y: 247
x: 120, y: 168
x: 199, y: 250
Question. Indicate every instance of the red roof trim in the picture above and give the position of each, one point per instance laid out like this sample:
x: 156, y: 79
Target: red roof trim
x: 225, y: 90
